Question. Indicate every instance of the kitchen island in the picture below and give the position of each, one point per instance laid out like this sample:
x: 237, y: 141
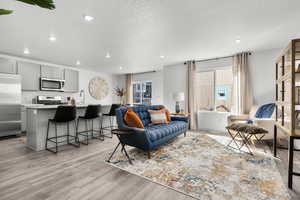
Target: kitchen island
x: 37, y: 121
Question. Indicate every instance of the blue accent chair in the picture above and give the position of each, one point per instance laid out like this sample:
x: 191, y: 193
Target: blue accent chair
x: 152, y: 136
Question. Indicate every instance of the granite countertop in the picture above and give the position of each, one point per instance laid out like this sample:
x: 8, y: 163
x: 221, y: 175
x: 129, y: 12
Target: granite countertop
x: 41, y: 106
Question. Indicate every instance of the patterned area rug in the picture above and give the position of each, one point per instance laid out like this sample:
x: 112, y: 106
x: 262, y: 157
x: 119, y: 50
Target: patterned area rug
x: 201, y: 166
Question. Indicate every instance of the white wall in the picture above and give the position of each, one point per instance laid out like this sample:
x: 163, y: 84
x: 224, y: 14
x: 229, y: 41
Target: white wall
x: 174, y: 80
x: 157, y: 84
x: 262, y: 75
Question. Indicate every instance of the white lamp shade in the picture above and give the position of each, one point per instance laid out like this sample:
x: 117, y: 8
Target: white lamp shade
x: 178, y: 96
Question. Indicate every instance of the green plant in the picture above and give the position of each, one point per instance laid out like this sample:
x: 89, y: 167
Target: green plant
x: 48, y: 4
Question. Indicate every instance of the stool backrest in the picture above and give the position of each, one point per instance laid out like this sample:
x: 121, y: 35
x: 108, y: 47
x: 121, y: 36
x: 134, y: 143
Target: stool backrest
x: 65, y: 114
x: 113, y: 108
x: 92, y: 111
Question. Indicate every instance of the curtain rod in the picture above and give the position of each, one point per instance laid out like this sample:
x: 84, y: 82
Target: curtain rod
x: 215, y: 58
x: 144, y: 72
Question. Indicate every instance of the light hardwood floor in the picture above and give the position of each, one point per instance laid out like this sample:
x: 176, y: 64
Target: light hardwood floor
x: 71, y: 174
x: 81, y: 174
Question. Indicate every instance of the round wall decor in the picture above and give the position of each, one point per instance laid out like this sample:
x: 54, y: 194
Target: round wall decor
x: 98, y: 88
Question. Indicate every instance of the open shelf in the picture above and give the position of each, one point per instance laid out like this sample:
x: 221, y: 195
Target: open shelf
x: 288, y: 89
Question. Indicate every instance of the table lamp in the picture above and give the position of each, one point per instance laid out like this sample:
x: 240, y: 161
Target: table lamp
x: 178, y: 97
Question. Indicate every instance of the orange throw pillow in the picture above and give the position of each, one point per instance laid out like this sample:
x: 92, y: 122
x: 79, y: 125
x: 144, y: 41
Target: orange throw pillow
x: 168, y: 115
x: 133, y: 120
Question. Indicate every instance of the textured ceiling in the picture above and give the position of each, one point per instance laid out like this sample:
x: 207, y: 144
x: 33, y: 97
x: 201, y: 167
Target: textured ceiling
x: 137, y: 32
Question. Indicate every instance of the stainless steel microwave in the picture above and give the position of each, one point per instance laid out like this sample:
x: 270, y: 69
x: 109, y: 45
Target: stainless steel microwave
x: 47, y: 84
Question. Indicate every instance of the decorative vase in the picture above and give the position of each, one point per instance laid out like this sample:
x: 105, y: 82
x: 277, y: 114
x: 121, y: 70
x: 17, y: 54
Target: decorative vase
x: 122, y: 99
x: 177, y: 107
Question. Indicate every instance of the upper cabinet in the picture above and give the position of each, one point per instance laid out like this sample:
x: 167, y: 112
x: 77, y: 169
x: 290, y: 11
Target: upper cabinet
x: 52, y: 72
x: 71, y: 80
x: 30, y: 76
x: 8, y: 66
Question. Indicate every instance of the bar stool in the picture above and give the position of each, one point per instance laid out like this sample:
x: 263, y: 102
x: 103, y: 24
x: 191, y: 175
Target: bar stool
x: 63, y: 115
x: 91, y: 113
x: 111, y: 115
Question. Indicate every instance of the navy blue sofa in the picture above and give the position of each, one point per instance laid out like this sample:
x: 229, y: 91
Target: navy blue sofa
x: 152, y: 136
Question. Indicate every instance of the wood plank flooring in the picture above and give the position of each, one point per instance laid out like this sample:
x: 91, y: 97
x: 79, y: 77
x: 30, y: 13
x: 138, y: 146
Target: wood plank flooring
x: 79, y: 174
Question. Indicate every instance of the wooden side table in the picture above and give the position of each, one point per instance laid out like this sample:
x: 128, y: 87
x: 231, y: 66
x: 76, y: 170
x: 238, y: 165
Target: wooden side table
x: 118, y: 133
x: 180, y: 114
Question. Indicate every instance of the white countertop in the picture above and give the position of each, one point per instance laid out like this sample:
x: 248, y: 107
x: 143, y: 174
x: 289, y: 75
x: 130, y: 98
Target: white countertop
x: 40, y: 106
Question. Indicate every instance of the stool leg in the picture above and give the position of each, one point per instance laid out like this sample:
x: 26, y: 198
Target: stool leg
x: 87, y: 132
x: 46, y: 146
x: 56, y: 146
x: 101, y: 129
x: 110, y: 122
x: 92, y: 128
x: 68, y: 133
x: 77, y: 135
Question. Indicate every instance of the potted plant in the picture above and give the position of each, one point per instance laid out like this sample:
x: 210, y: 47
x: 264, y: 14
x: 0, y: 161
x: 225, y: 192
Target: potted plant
x: 48, y: 4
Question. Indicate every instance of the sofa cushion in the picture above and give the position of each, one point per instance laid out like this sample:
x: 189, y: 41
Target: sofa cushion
x: 158, y: 116
x: 157, y: 132
x: 247, y: 128
x: 265, y: 111
x: 132, y: 119
x: 168, y: 113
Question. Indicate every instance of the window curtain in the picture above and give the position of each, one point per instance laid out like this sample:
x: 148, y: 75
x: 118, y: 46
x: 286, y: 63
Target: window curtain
x: 204, y: 93
x: 190, y: 103
x: 129, y: 93
x: 242, y: 95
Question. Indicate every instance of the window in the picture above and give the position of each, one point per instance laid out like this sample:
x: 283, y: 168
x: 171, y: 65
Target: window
x: 223, y: 89
x: 142, y: 92
x: 214, y: 89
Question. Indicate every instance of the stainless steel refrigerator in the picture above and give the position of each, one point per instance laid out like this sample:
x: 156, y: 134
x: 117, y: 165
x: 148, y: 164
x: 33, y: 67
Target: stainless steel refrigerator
x: 10, y: 104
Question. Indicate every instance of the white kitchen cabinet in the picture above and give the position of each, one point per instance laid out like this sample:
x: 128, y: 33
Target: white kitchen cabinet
x: 71, y: 80
x: 30, y: 76
x: 8, y: 66
x: 52, y: 72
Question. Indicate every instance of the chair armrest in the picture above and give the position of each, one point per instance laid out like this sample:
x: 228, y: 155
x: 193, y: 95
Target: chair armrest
x: 180, y: 118
x: 266, y: 123
x: 238, y: 117
x: 232, y: 118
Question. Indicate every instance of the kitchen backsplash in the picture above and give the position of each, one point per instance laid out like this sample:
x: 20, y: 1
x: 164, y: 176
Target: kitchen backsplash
x: 28, y: 97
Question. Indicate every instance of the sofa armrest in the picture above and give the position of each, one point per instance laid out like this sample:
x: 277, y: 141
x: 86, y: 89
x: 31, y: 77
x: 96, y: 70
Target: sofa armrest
x: 180, y: 118
x: 232, y: 118
x: 128, y: 128
x: 266, y: 123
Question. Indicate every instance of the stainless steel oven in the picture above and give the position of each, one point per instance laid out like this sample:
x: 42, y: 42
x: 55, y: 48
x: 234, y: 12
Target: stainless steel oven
x: 47, y: 84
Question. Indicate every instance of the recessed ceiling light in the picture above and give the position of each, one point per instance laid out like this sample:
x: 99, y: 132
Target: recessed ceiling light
x: 88, y: 18
x: 162, y: 56
x: 121, y: 67
x: 77, y: 62
x: 107, y: 55
x: 26, y: 51
x: 237, y: 41
x: 52, y: 38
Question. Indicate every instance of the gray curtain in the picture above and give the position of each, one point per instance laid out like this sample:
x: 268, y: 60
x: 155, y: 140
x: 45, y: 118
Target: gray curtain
x: 129, y: 93
x: 242, y: 90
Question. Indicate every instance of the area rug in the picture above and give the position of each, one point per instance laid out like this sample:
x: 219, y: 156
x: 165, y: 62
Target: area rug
x: 201, y: 166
